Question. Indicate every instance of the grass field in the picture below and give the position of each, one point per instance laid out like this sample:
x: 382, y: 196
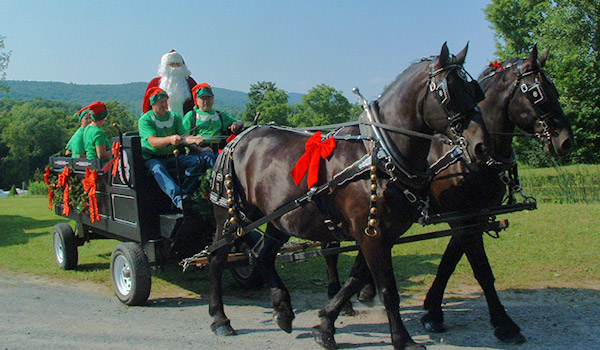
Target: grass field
x: 554, y: 246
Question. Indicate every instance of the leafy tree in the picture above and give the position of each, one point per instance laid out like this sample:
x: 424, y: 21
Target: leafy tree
x: 268, y: 100
x: 323, y: 105
x: 256, y: 96
x: 571, y: 29
x: 119, y: 113
x: 4, y: 59
x: 274, y: 107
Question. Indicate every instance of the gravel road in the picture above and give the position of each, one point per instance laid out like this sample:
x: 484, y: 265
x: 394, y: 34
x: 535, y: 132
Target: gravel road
x: 42, y: 314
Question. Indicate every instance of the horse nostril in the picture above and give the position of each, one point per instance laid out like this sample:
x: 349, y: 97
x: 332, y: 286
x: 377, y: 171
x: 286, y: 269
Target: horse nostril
x: 566, y: 145
x: 481, y: 150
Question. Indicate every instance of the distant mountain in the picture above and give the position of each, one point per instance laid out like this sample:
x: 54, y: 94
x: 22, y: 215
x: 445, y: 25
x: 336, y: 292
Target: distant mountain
x: 130, y: 93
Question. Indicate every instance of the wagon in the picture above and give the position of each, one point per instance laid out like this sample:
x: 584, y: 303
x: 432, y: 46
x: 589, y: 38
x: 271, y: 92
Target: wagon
x: 133, y: 210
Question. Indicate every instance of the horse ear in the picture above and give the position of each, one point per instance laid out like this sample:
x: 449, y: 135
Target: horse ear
x: 542, y: 59
x: 462, y: 55
x: 533, y: 56
x: 444, y: 55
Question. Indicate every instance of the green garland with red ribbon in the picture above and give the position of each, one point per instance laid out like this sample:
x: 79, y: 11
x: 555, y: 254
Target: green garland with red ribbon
x: 71, y: 192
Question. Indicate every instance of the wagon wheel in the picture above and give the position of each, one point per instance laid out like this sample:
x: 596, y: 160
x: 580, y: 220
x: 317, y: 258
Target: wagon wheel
x: 247, y: 276
x: 130, y: 274
x: 65, y: 246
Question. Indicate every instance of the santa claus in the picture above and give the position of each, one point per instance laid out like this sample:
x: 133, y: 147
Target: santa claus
x: 173, y: 77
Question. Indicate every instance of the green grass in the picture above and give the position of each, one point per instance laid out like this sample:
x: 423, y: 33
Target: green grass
x: 556, y: 245
x: 566, y: 184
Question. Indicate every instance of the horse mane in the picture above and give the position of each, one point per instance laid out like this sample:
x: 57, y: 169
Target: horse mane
x: 401, y: 78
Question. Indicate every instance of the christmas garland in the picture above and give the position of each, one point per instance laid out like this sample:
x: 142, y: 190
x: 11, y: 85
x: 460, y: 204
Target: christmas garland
x: 75, y: 192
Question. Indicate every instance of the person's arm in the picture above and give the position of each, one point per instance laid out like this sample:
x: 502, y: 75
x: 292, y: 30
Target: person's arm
x: 102, y: 152
x: 160, y: 142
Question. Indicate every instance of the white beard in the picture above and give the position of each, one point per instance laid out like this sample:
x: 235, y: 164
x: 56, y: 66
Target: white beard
x: 174, y: 82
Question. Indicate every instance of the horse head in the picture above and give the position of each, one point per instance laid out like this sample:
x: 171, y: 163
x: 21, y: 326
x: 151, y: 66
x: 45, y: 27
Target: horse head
x: 446, y: 103
x: 532, y: 101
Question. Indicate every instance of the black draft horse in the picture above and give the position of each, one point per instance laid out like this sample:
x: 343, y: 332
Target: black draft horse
x: 519, y: 93
x: 430, y: 96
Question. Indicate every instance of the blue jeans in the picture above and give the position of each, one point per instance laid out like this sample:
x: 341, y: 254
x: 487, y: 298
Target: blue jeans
x: 192, y: 167
x: 209, y: 159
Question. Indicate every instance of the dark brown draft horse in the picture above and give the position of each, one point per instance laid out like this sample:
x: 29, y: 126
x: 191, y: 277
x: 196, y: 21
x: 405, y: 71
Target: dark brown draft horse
x: 430, y: 96
x: 520, y: 94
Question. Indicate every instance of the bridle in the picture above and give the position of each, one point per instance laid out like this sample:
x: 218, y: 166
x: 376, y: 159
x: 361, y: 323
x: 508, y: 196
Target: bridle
x: 534, y: 93
x: 440, y: 90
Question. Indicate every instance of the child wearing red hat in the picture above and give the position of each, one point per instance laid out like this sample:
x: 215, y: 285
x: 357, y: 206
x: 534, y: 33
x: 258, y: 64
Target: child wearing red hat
x: 97, y: 144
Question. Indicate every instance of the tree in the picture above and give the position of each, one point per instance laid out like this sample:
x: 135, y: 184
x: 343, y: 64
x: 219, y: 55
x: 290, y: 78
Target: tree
x: 571, y: 29
x: 270, y: 101
x: 324, y: 105
x: 120, y: 114
x: 256, y: 96
x: 4, y: 59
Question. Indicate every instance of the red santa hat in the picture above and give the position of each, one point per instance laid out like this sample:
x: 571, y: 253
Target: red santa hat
x: 203, y: 89
x: 155, y: 94
x: 171, y: 57
x: 97, y: 111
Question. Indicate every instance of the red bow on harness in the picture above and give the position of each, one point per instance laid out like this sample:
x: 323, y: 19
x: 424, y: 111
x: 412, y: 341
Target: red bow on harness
x: 314, y: 151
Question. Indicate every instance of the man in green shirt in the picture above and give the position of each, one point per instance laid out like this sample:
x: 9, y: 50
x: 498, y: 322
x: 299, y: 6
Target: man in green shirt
x: 75, y: 146
x: 160, y: 132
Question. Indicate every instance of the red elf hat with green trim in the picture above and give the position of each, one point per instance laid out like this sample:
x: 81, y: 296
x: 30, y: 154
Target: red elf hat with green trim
x: 203, y: 89
x: 97, y: 111
x: 156, y: 94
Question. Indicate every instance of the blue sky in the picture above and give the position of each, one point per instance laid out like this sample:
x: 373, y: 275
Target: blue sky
x: 232, y: 44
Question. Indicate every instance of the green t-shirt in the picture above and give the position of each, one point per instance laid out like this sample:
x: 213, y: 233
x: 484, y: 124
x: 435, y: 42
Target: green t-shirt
x: 75, y: 144
x: 207, y: 124
x: 152, y: 125
x: 94, y: 136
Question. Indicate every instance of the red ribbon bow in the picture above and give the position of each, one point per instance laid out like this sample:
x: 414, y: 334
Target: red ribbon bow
x: 314, y: 151
x: 63, y: 180
x: 116, y: 146
x: 89, y: 186
x: 496, y: 65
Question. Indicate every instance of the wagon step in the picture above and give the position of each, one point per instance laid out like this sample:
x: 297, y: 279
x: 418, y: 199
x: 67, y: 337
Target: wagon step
x: 479, y: 213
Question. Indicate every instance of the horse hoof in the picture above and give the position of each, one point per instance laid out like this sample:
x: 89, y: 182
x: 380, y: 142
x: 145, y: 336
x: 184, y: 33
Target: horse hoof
x: 324, y: 338
x: 367, y: 294
x: 509, y: 337
x: 432, y: 326
x: 415, y: 346
x: 224, y: 330
x: 284, y: 322
x: 348, y: 310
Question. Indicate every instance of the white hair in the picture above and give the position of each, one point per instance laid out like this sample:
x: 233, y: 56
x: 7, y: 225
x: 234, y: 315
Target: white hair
x: 174, y: 81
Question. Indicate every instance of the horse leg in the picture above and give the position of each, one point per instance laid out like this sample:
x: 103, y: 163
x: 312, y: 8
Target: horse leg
x: 324, y: 332
x: 433, y: 320
x: 283, y: 313
x: 221, y: 325
x: 333, y: 278
x: 379, y: 265
x: 367, y: 293
x: 505, y: 329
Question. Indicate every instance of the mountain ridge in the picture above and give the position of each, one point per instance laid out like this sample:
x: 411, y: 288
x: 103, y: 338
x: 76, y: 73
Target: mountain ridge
x: 128, y: 93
